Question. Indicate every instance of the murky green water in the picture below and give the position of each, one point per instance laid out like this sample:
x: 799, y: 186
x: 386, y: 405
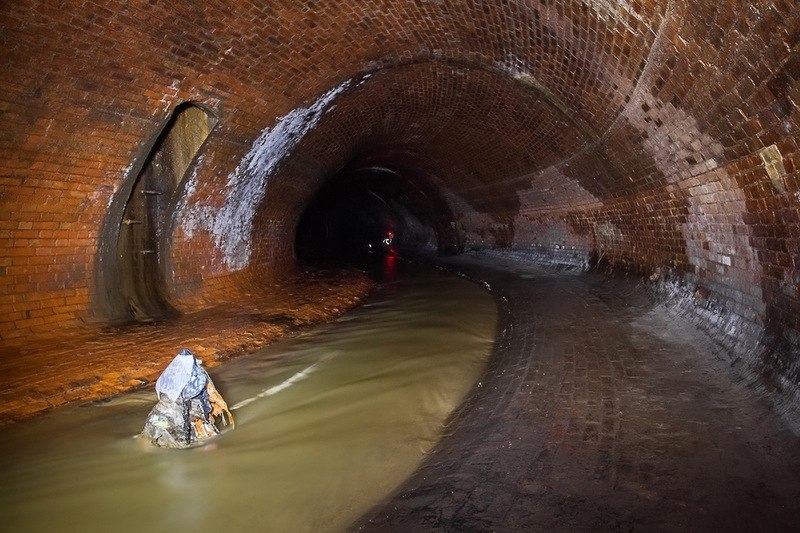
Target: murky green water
x: 329, y: 423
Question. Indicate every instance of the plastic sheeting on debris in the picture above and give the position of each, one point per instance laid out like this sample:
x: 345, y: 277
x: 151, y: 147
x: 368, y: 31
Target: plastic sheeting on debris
x: 188, y: 407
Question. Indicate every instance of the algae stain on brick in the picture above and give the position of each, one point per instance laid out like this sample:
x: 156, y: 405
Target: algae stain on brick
x: 231, y: 225
x: 773, y: 164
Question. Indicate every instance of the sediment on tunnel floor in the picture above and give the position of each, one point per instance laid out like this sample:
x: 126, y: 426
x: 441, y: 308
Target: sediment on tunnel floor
x: 653, y: 135
x: 80, y: 364
x: 600, y: 410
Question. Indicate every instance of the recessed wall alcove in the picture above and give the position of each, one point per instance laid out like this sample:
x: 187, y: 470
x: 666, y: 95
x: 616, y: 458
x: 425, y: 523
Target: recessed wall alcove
x: 132, y: 259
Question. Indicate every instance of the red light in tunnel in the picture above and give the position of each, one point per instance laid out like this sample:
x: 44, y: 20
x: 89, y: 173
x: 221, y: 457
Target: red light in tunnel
x: 390, y: 267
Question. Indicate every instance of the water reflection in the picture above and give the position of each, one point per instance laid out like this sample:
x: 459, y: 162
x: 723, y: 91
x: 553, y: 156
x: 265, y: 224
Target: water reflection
x: 310, y: 453
x: 389, y: 267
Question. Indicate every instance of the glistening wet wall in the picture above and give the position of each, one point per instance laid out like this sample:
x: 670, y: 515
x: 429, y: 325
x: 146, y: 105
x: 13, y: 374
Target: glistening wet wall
x: 660, y: 136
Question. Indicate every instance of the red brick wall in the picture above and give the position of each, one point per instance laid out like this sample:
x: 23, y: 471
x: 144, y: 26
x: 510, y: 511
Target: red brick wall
x: 632, y: 130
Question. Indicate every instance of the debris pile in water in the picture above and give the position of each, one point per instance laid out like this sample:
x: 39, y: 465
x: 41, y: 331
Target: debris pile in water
x: 188, y: 405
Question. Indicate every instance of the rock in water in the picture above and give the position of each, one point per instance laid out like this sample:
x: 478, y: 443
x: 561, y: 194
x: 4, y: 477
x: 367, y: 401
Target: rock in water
x: 178, y: 424
x: 188, y: 404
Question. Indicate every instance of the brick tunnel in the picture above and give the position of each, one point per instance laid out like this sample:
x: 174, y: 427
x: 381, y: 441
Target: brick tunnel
x: 162, y: 162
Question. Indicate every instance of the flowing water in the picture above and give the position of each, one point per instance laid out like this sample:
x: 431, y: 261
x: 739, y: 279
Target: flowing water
x: 327, y: 424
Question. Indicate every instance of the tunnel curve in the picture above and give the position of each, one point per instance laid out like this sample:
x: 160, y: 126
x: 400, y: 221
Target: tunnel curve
x: 651, y: 137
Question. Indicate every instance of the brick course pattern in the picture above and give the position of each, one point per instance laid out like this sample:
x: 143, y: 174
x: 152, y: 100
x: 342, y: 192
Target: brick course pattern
x: 81, y: 364
x: 649, y: 135
x: 599, y: 411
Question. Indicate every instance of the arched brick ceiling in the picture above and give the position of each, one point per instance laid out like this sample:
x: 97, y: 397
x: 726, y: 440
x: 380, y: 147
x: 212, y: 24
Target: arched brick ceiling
x: 632, y: 129
x: 469, y: 128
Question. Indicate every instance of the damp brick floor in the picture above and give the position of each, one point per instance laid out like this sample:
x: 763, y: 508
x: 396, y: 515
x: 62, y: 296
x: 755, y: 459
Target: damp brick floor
x: 600, y: 411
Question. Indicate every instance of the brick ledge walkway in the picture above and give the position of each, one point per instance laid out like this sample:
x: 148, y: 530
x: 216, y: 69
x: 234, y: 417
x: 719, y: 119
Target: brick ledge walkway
x: 84, y: 364
x: 600, y: 412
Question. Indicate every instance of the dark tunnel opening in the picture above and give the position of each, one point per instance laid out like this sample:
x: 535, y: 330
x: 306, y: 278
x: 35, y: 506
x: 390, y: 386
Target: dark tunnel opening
x: 368, y: 212
x: 349, y: 222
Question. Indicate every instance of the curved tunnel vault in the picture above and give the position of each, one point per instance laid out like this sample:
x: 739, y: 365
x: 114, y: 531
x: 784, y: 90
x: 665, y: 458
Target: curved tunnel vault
x: 656, y: 137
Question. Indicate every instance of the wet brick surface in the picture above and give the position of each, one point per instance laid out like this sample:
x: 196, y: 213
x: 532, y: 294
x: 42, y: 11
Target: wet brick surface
x: 601, y: 411
x: 88, y: 363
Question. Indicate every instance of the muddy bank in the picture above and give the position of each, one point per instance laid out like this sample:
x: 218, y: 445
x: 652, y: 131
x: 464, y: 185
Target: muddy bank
x: 90, y: 363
